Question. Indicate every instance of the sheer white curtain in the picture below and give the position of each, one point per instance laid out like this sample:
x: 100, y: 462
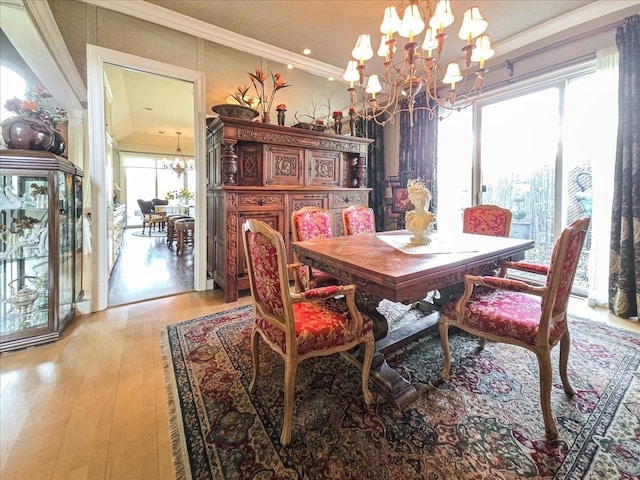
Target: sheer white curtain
x: 606, y: 114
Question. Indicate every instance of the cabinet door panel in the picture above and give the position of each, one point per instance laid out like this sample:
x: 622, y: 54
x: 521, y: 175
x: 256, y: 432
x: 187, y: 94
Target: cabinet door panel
x: 324, y: 168
x: 250, y: 164
x: 275, y: 219
x: 283, y: 165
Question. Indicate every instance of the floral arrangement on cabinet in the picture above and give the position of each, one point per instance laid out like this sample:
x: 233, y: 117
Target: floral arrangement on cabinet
x: 36, y: 105
x: 258, y: 79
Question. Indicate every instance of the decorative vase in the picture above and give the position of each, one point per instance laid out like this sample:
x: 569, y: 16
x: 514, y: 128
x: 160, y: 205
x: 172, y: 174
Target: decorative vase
x: 337, y: 122
x: 27, y: 133
x: 266, y: 117
x: 59, y: 144
x: 281, y: 117
x: 236, y: 111
x: 352, y: 122
x: 419, y: 221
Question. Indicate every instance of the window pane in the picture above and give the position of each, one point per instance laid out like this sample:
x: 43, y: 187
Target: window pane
x: 454, y: 169
x: 141, y: 184
x: 519, y: 149
x: 12, y: 85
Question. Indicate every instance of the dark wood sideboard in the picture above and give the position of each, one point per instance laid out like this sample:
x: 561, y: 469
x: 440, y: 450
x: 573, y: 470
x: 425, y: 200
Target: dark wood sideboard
x: 264, y: 171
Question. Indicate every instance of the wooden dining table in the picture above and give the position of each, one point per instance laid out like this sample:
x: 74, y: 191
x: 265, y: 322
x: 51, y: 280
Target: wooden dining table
x: 387, y: 265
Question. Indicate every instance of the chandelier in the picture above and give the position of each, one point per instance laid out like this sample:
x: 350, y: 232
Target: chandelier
x: 178, y: 164
x: 418, y: 69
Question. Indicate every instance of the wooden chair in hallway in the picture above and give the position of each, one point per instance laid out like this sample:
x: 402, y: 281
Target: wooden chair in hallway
x: 185, y: 229
x: 171, y: 227
x: 150, y: 217
x: 298, y: 326
x: 533, y: 316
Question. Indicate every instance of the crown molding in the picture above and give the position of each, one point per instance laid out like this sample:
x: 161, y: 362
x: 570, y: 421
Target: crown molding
x: 577, y: 17
x: 45, y: 22
x: 185, y: 24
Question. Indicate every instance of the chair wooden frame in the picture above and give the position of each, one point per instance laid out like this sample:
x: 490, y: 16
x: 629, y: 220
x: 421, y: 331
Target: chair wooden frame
x: 150, y: 217
x: 350, y: 227
x: 491, y: 212
x: 554, y: 297
x: 287, y: 322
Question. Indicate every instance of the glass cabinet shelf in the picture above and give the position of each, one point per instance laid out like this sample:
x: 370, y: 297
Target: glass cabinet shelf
x: 40, y: 246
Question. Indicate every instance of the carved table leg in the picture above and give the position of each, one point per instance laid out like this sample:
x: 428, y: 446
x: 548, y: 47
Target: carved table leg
x: 393, y: 387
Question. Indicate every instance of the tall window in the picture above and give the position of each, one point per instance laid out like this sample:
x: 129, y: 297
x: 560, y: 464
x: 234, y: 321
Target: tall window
x: 534, y: 154
x: 12, y: 85
x: 146, y: 178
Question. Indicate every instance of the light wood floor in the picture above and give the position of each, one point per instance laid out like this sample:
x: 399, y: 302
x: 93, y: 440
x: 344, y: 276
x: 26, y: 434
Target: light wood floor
x: 147, y: 268
x: 93, y: 405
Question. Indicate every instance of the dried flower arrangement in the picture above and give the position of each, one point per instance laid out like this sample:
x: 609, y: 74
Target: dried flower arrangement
x: 258, y: 79
x: 36, y: 105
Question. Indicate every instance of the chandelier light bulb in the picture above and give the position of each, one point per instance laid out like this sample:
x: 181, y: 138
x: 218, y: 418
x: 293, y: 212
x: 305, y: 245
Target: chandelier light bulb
x: 452, y: 75
x: 384, y: 50
x: 442, y: 17
x: 412, y: 23
x: 363, y: 51
x: 373, y: 85
x: 483, y: 50
x: 472, y: 24
x: 430, y: 41
x: 390, y: 21
x: 351, y: 72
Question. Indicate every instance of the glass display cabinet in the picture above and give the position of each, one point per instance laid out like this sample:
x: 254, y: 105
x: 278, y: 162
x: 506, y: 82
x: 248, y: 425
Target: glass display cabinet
x: 40, y: 246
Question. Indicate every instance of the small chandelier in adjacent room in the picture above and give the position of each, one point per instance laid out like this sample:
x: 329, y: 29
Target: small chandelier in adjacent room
x: 418, y: 68
x: 179, y: 164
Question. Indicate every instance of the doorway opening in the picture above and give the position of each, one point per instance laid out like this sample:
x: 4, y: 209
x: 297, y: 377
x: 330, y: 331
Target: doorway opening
x: 106, y: 174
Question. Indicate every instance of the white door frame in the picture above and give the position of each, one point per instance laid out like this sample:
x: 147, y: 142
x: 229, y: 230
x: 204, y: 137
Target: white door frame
x: 96, y: 58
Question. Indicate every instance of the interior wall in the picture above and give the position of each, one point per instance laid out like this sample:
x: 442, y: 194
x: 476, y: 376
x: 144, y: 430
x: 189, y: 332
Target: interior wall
x: 109, y: 29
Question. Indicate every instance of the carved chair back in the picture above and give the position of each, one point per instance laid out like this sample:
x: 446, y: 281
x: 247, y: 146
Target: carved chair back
x: 358, y: 220
x: 487, y: 220
x: 309, y: 223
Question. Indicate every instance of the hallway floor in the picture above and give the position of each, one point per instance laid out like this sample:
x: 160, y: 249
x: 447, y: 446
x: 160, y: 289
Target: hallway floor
x: 146, y: 268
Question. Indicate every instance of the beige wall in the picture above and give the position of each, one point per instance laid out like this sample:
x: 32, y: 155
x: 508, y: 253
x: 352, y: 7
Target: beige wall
x: 81, y: 23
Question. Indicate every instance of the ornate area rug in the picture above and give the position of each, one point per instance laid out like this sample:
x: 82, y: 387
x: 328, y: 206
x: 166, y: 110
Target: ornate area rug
x: 485, y: 423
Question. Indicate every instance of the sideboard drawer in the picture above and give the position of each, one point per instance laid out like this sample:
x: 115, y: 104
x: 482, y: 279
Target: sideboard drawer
x: 259, y: 200
x: 345, y: 199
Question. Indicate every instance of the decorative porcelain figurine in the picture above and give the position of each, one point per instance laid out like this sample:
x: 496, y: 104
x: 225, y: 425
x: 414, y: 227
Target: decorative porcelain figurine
x: 420, y: 221
x: 39, y: 237
x: 10, y: 199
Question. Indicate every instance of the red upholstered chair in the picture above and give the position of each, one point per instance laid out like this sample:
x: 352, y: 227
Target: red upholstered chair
x: 487, y: 220
x: 358, y: 220
x: 298, y: 326
x: 531, y: 316
x: 309, y: 223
